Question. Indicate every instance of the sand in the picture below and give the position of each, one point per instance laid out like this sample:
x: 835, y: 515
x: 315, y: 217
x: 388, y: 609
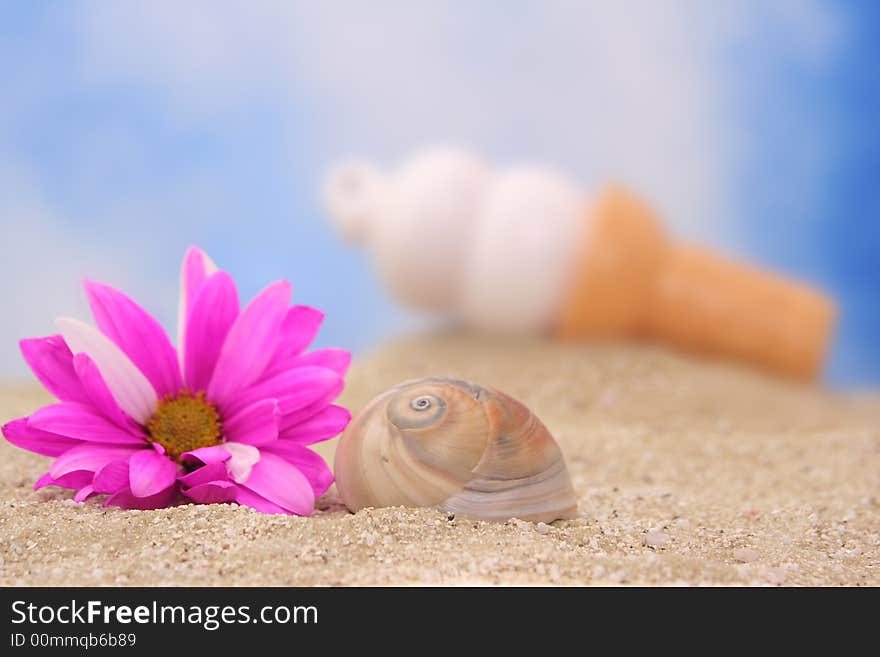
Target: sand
x: 688, y: 473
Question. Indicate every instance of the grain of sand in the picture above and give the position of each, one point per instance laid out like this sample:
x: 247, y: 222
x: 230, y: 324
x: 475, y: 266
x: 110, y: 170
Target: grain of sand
x: 688, y: 473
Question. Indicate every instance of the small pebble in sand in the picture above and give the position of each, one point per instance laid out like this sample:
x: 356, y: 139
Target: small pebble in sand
x: 542, y: 528
x: 746, y: 555
x: 655, y: 538
x: 775, y: 575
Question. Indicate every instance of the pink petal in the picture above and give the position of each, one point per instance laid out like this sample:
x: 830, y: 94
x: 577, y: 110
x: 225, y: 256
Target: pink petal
x: 244, y: 457
x: 213, y: 313
x: 256, y: 424
x: 83, y: 422
x: 249, y: 498
x: 300, y: 415
x: 207, y: 455
x: 205, y: 474
x: 150, y: 473
x: 34, y: 440
x: 138, y: 334
x: 306, y: 461
x: 298, y: 330
x: 90, y: 457
x: 51, y: 361
x: 130, y: 388
x: 212, y: 492
x: 99, y: 394
x: 83, y: 494
x: 294, y: 389
x: 297, y: 417
x: 126, y: 500
x: 250, y: 343
x: 281, y: 483
x: 323, y: 425
x: 194, y: 271
x: 332, y: 358
x: 112, y: 478
x: 76, y: 479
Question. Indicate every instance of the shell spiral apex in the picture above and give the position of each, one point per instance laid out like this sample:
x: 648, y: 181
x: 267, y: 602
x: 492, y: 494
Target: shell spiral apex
x: 456, y: 446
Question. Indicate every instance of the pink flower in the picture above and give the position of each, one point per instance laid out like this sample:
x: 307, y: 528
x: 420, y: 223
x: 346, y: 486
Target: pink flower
x: 226, y: 417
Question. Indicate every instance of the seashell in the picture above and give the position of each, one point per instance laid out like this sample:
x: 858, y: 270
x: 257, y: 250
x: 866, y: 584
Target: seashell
x: 456, y: 446
x: 523, y: 250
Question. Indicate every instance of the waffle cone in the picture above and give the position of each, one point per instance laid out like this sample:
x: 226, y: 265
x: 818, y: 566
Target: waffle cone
x: 629, y: 280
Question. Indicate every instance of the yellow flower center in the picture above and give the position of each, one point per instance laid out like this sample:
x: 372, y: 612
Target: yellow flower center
x: 184, y: 423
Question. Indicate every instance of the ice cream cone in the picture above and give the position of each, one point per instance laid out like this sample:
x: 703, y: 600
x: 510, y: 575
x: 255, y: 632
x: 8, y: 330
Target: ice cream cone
x: 630, y: 280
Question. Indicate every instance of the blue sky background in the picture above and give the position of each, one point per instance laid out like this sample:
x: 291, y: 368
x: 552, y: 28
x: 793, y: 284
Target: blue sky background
x: 130, y: 130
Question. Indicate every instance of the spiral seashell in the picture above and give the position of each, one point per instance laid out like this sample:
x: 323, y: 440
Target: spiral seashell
x: 456, y: 446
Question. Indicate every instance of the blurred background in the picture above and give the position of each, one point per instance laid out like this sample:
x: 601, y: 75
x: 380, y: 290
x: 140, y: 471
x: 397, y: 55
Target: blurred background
x: 131, y: 130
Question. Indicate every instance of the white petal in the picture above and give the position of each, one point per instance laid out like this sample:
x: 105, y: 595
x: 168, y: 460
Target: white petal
x: 244, y: 458
x: 182, y: 310
x: 128, y: 385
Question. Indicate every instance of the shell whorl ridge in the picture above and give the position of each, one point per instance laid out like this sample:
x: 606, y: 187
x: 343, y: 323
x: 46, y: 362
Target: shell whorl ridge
x: 457, y: 446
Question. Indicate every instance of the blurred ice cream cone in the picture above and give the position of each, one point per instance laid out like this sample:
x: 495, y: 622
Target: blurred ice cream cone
x: 520, y: 250
x: 630, y: 280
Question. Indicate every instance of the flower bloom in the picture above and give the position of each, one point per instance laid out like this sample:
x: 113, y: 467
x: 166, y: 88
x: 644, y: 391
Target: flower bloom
x: 225, y: 417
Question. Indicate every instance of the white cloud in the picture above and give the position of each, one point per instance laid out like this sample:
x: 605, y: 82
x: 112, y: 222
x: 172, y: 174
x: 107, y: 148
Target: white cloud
x: 633, y: 90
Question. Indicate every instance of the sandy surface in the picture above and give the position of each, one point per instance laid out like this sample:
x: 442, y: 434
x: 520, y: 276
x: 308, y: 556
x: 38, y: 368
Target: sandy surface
x: 688, y: 473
